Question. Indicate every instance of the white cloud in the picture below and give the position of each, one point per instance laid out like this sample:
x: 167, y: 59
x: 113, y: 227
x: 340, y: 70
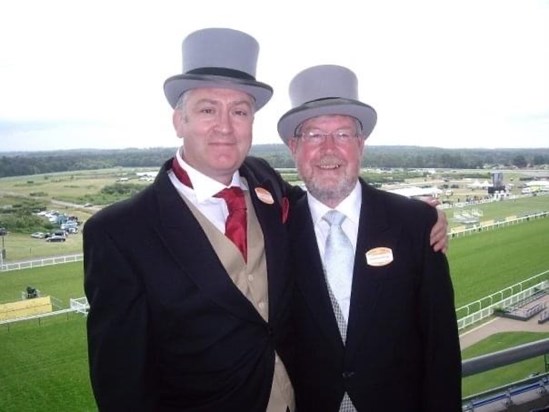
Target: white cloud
x: 439, y: 73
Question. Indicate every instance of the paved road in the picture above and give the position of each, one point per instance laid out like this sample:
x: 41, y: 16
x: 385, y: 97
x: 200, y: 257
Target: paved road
x: 499, y: 324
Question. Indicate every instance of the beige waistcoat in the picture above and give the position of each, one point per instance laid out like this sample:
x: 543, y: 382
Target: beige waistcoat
x: 251, y: 280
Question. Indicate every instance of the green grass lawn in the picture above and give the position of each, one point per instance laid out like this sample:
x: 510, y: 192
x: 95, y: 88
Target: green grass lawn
x: 500, y: 210
x: 506, y: 374
x: 44, y: 364
x: 62, y: 282
x: 71, y: 186
x: 78, y: 187
x: 22, y: 247
x: 486, y: 262
x: 480, y: 264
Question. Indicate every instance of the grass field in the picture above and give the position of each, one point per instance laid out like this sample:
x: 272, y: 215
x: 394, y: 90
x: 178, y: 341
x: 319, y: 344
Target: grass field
x: 502, y: 209
x: 486, y: 262
x: 44, y: 366
x: 68, y: 186
x: 501, y: 376
x: 55, y: 347
x: 59, y: 281
x: 22, y: 247
x: 44, y: 363
x: 480, y: 264
x: 78, y: 186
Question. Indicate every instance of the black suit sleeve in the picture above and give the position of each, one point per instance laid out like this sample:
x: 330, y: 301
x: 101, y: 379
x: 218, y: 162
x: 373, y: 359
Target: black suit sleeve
x: 117, y: 325
x: 441, y: 352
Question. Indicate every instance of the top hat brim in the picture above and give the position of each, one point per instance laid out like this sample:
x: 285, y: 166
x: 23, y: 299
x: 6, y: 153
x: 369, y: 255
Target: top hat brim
x: 290, y: 121
x: 175, y: 86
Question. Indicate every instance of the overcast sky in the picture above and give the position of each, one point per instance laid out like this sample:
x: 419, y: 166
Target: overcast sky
x: 467, y: 73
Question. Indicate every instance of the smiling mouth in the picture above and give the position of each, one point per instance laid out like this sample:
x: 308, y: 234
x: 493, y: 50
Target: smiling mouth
x: 222, y: 144
x: 329, y: 166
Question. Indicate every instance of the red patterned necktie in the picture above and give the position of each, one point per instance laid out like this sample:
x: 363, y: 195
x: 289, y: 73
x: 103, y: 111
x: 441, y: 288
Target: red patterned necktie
x: 235, y: 225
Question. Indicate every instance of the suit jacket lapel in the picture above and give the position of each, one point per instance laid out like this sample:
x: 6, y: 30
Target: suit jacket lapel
x: 184, y: 238
x: 310, y: 273
x: 374, y: 231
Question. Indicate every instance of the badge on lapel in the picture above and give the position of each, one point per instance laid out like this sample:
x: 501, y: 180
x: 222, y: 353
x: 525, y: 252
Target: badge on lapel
x: 379, y: 256
x: 264, y: 195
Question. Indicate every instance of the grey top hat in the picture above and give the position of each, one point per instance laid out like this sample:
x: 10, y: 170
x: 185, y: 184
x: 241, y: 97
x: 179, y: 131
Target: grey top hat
x: 325, y: 90
x: 219, y: 57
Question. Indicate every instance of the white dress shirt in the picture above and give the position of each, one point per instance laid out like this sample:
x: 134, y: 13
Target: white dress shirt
x: 202, y: 193
x: 350, y: 207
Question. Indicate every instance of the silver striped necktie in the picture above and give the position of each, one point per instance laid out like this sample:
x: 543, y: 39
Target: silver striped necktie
x: 338, y: 266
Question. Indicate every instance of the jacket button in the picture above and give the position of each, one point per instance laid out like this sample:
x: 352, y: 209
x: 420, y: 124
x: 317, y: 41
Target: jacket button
x: 347, y: 375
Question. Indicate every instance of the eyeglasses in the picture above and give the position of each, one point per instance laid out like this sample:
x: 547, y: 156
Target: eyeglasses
x: 316, y: 137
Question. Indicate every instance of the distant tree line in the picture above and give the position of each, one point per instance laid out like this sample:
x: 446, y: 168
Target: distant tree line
x: 30, y: 163
x: 278, y: 155
x: 424, y: 157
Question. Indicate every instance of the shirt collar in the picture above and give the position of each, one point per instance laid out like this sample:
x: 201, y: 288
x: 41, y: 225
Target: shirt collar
x: 350, y: 206
x: 204, y: 186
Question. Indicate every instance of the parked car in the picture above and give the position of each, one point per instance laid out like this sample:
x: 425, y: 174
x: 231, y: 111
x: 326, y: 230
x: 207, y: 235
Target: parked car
x: 38, y: 235
x: 68, y: 224
x: 62, y: 233
x: 56, y: 238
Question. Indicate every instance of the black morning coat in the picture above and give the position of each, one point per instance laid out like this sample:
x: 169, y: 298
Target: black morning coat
x: 168, y: 330
x: 402, y: 351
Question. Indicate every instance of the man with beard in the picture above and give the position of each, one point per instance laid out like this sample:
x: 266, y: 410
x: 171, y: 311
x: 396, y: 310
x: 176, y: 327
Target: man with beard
x: 374, y: 318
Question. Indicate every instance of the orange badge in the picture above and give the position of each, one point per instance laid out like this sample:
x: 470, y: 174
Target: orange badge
x: 379, y: 256
x: 264, y: 195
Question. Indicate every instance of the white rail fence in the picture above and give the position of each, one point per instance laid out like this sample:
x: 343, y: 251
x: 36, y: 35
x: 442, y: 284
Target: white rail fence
x: 80, y: 305
x: 55, y: 260
x: 483, y: 226
x: 512, y: 295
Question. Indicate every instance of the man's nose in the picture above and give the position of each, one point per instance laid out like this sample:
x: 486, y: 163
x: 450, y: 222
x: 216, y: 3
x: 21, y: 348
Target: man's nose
x: 329, y: 141
x: 224, y: 122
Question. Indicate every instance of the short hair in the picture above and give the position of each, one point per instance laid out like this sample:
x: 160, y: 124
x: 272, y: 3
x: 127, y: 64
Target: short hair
x: 182, y: 101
